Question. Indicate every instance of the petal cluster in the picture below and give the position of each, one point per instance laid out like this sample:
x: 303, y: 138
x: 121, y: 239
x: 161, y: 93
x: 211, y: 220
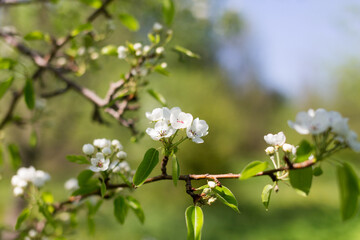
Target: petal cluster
x: 24, y: 176
x: 275, y: 139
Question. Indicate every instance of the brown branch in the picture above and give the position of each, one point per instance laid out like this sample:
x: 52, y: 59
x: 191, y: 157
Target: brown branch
x: 163, y: 165
x: 56, y: 92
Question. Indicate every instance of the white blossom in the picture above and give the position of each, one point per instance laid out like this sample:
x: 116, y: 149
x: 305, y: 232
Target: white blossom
x: 159, y: 50
x: 88, y: 149
x: 122, y: 52
x: 163, y: 65
x: 32, y: 233
x: 106, y: 151
x: 159, y: 114
x: 40, y: 178
x: 275, y: 139
x: 116, y: 144
x: 211, y: 184
x: 146, y: 49
x: 121, y: 155
x: 314, y: 122
x: 102, y: 143
x: 338, y: 124
x: 27, y: 174
x: 18, y: 191
x: 17, y: 181
x: 161, y: 130
x: 157, y: 27
x: 197, y: 130
x: 180, y: 120
x: 137, y: 46
x: 288, y: 148
x: 72, y: 184
x: 353, y: 143
x: 270, y: 150
x: 99, y: 163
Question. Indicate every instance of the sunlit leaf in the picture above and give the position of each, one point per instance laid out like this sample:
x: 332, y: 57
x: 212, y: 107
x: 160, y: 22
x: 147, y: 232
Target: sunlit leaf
x: 157, y: 96
x: 7, y: 63
x: 92, y: 3
x: 35, y: 35
x: 227, y: 197
x: 47, y: 197
x: 252, y: 169
x: 266, y: 194
x: 168, y: 11
x: 120, y: 209
x: 151, y: 159
x: 77, y: 159
x: 109, y: 50
x: 136, y: 207
x: 349, y: 190
x: 194, y: 222
x: 22, y: 217
x: 303, y: 152
x: 301, y: 180
x: 129, y: 21
x: 29, y: 94
x: 14, y: 155
x: 185, y: 51
x: 87, y: 27
x: 175, y: 169
x: 161, y: 70
x: 4, y: 86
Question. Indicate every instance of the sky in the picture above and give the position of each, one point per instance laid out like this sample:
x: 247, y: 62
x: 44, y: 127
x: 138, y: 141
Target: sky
x: 296, y: 44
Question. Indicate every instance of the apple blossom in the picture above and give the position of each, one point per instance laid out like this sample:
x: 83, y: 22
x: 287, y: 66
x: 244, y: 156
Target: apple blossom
x: 211, y: 184
x: 179, y: 119
x: 314, y: 122
x: 275, y: 139
x: 270, y: 150
x: 122, y: 52
x: 106, y: 151
x: 352, y: 142
x: 137, y: 46
x: 288, y: 148
x: 198, y: 129
x: 159, y: 50
x: 40, y: 178
x: 101, y: 143
x: 157, y: 27
x: 161, y: 130
x: 99, y: 163
x: 72, y: 184
x: 121, y: 155
x: 116, y: 144
x: 88, y: 149
x: 159, y: 114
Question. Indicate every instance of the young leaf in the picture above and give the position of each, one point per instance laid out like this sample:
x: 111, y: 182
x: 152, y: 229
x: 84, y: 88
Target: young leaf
x: 109, y: 50
x: 35, y: 35
x: 168, y: 11
x: 120, y: 209
x: 129, y: 22
x: 175, y: 169
x: 303, y: 152
x: 266, y: 194
x: 84, y: 177
x: 33, y: 139
x: 151, y: 159
x: 77, y: 159
x: 4, y: 86
x: 103, y: 189
x: 22, y: 217
x: 252, y: 169
x: 194, y: 222
x: 227, y: 197
x: 136, y: 207
x: 349, y: 190
x: 161, y: 70
x: 7, y: 63
x: 85, y: 190
x: 157, y: 97
x: 87, y: 27
x: 14, y: 156
x: 301, y: 179
x: 185, y: 51
x: 29, y: 94
x: 91, y: 224
x: 92, y: 3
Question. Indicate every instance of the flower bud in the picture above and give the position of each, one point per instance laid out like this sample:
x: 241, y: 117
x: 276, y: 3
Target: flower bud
x: 157, y: 27
x: 106, y: 151
x: 88, y: 149
x: 159, y: 50
x: 121, y: 155
x: 137, y: 46
x: 146, y: 49
x: 288, y: 148
x: 211, y: 184
x: 121, y: 52
x: 270, y: 151
x: 18, y: 191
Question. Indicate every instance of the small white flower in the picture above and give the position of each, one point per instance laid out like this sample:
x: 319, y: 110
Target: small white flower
x: 40, y: 178
x: 146, y: 49
x: 17, y: 181
x: 159, y: 114
x: 288, y: 148
x: 121, y: 155
x: 270, y: 150
x: 18, y: 191
x: 161, y: 130
x: 138, y: 53
x: 102, y: 143
x: 314, y: 122
x: 106, y: 151
x: 180, y: 120
x: 163, y: 65
x: 116, y: 144
x: 275, y: 139
x: 88, y: 149
x: 99, y: 163
x: 32, y: 233
x: 338, y: 124
x: 27, y: 174
x: 137, y: 46
x: 122, y: 52
x: 211, y: 184
x: 157, y: 27
x: 353, y: 143
x: 197, y: 130
x: 72, y: 184
x: 211, y: 200
x: 159, y: 50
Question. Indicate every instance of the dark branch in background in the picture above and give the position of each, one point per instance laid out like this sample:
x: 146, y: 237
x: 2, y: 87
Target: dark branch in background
x: 187, y: 179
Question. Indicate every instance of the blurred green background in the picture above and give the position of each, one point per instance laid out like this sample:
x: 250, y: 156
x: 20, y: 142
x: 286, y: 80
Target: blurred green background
x: 231, y: 87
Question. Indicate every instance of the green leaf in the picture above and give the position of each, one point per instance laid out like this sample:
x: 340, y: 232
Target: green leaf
x: 185, y: 51
x: 85, y: 190
x: 103, y: 189
x: 93, y: 208
x: 4, y: 85
x: 109, y: 50
x: 91, y: 224
x: 303, y: 152
x: 266, y: 194
x: 194, y: 222
x: 29, y: 94
x: 47, y: 197
x: 136, y: 207
x: 87, y: 27
x: 33, y: 139
x: 151, y: 159
x: 227, y: 197
x: 317, y: 171
x: 129, y: 22
x: 157, y: 96
x: 252, y: 169
x: 168, y: 11
x: 44, y: 210
x: 175, y: 169
x: 77, y: 159
x: 7, y: 63
x: 84, y: 177
x: 301, y: 179
x: 161, y: 70
x: 349, y: 190
x: 22, y: 217
x: 35, y: 35
x: 155, y: 39
x: 120, y: 209
x: 92, y: 3
x: 125, y: 179
x: 14, y: 156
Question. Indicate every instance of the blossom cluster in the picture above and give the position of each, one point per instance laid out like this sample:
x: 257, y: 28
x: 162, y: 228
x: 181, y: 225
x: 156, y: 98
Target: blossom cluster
x: 321, y: 121
x: 278, y: 141
x: 169, y: 121
x: 105, y: 155
x: 25, y: 176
